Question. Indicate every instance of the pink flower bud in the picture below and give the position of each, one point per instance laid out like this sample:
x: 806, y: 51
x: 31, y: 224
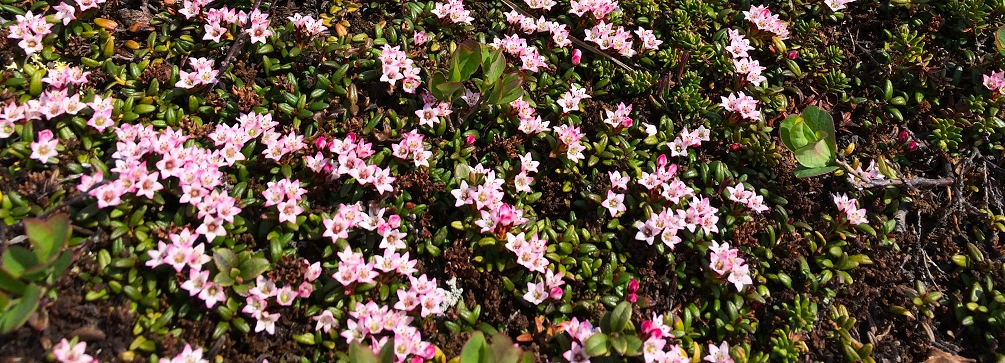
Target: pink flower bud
x: 577, y: 56
x: 470, y: 139
x: 734, y: 147
x: 793, y: 54
x: 556, y: 293
x: 903, y: 137
x: 912, y: 146
x: 633, y: 286
x: 320, y: 142
x: 632, y: 298
x: 305, y: 290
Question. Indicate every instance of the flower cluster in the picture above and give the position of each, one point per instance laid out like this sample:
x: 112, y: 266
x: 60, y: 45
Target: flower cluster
x: 849, y: 207
x: 655, y: 348
x: 749, y: 198
x: 431, y: 111
x: 372, y: 320
x: 598, y: 8
x: 528, y: 25
x: 351, y: 153
x: 836, y: 5
x: 30, y: 29
x: 217, y: 21
x: 688, y: 139
x: 529, y: 252
x: 871, y: 173
x: 995, y: 82
x: 257, y: 298
x: 487, y: 195
x: 259, y: 29
x: 307, y: 24
x: 726, y: 261
x: 285, y: 194
x: 620, y: 118
x: 193, y: 8
x: 530, y: 122
x: 352, y: 269
x: 501, y: 219
x: 569, y: 136
x: 570, y: 99
x: 203, y: 74
x: 395, y: 65
x: 550, y: 288
x: 580, y: 332
x: 422, y: 294
x: 523, y: 180
x: 740, y: 103
x: 766, y: 21
x: 606, y: 37
x: 411, y: 148
x: 187, y: 355
x: 517, y: 46
x: 72, y: 353
x: 453, y: 10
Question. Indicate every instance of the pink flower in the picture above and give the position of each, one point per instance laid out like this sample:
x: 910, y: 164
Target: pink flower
x: 267, y: 322
x: 285, y: 296
x: 313, y: 271
x: 212, y: 294
x: 44, y: 147
x: 67, y: 353
x: 326, y: 321
x: 615, y: 203
x: 718, y: 354
x: 196, y: 281
x: 577, y: 56
x: 576, y: 354
x: 536, y: 293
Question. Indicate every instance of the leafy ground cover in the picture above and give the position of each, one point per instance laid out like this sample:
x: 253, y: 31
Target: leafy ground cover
x: 563, y: 181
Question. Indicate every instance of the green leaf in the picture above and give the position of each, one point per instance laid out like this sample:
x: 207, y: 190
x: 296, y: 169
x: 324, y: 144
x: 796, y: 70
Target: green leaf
x: 816, y: 154
x: 361, y: 354
x: 48, y: 237
x: 253, y: 267
x: 785, y: 131
x: 17, y: 259
x: 506, y: 90
x: 619, y: 343
x: 596, y: 345
x: 225, y: 260
x: 11, y: 284
x: 822, y: 124
x: 634, y: 346
x: 503, y: 350
x: 465, y: 61
x: 1000, y: 40
x: 18, y: 314
x: 804, y: 172
x: 495, y: 66
x: 621, y: 316
x: 474, y: 349
x: 443, y: 89
x: 387, y: 351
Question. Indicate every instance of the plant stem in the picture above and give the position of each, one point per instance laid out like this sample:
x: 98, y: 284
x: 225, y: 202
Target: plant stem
x: 912, y: 182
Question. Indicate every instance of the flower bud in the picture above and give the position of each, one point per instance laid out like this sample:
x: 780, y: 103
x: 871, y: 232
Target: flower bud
x: 632, y: 298
x: 556, y: 293
x: 577, y: 56
x: 321, y: 142
x: 793, y: 54
x: 470, y: 139
x: 633, y: 286
x: 912, y: 146
x: 903, y: 137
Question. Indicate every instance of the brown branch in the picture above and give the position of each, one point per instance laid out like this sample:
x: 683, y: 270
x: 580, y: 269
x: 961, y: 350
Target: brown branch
x: 867, y: 183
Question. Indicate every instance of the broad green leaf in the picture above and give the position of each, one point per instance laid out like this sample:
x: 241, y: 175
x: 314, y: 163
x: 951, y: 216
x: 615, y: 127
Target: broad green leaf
x: 223, y: 279
x: 465, y: 61
x: 17, y: 259
x: 620, y: 316
x: 361, y: 354
x: 509, y: 88
x: 253, y: 267
x: 18, y: 314
x: 804, y: 172
x: 387, y: 351
x: 596, y: 345
x: 634, y: 346
x: 48, y: 237
x: 785, y: 129
x: 61, y: 264
x: 495, y: 65
x: 816, y: 154
x: 503, y: 350
x: 11, y: 284
x: 225, y: 259
x: 619, y: 343
x: 473, y: 350
x: 441, y: 88
x: 1000, y: 40
x: 822, y: 124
